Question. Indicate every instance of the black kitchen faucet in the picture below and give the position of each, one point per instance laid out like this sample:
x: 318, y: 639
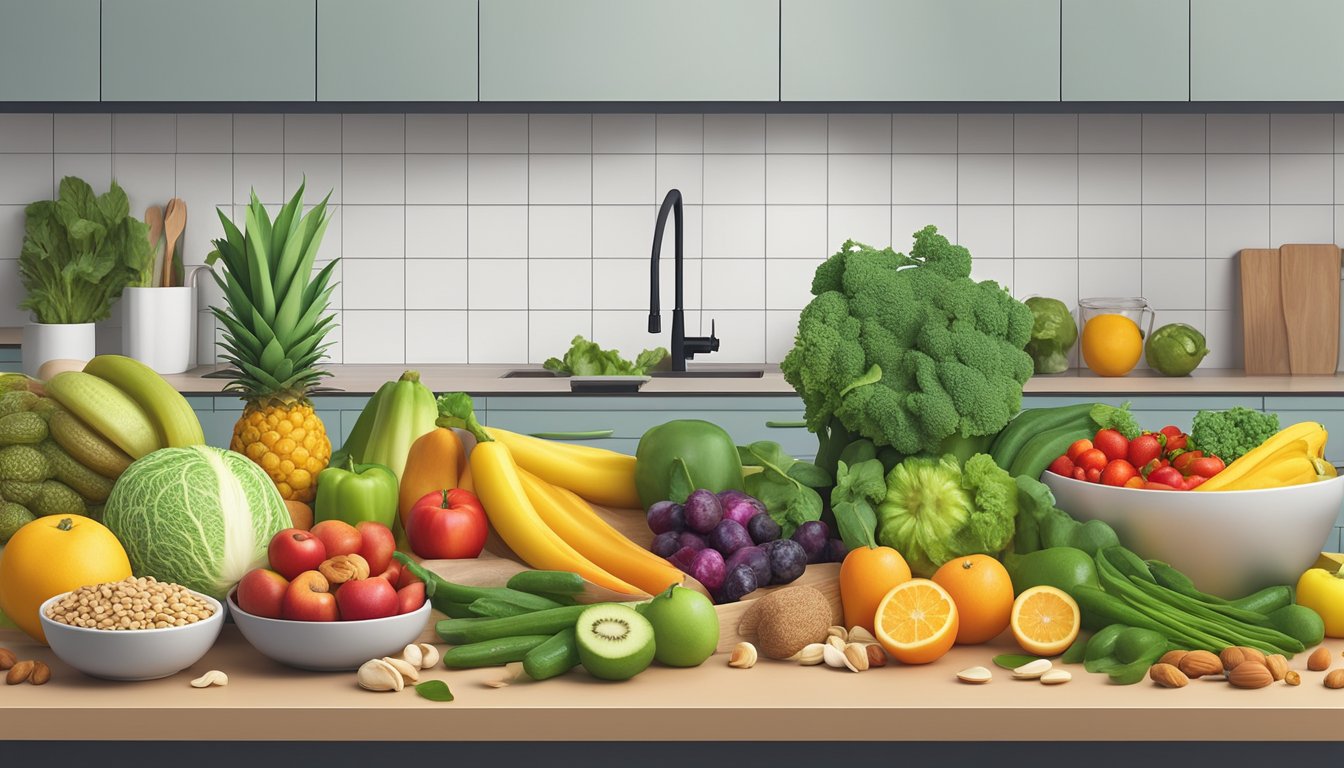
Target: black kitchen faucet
x: 683, y: 348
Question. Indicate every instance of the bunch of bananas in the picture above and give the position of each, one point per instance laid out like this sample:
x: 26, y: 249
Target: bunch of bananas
x: 1293, y: 456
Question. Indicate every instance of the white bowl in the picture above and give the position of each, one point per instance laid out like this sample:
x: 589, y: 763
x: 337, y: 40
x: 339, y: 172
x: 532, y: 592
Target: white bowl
x: 132, y: 654
x: 329, y: 646
x: 1231, y: 543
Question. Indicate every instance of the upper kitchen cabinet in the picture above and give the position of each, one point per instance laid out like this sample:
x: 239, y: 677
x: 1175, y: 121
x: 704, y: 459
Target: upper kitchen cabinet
x: 919, y: 50
x: 1266, y: 50
x: 396, y: 50
x: 48, y: 50
x: 629, y: 50
x: 198, y: 50
x: 1135, y: 50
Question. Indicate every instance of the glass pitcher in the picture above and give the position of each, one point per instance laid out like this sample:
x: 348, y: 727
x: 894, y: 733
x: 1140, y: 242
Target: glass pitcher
x: 1135, y: 308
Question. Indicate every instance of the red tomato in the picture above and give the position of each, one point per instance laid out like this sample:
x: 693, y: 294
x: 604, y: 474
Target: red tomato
x: 1062, y: 466
x: 1092, y: 458
x: 1143, y: 449
x: 447, y: 525
x: 1192, y: 482
x: 1176, y: 439
x: 1206, y: 467
x: 1079, y: 474
x: 1134, y: 482
x: 1151, y: 486
x: 1093, y: 475
x: 1077, y: 448
x: 1166, y: 476
x: 1182, y: 461
x: 1111, y: 443
x: 1118, y: 472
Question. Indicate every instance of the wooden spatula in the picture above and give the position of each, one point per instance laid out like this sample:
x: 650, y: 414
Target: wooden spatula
x: 1309, y: 282
x: 154, y: 220
x: 174, y: 222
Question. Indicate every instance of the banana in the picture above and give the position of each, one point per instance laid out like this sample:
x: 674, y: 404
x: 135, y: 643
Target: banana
x: 598, y: 475
x: 1312, y: 433
x: 108, y: 410
x: 172, y: 415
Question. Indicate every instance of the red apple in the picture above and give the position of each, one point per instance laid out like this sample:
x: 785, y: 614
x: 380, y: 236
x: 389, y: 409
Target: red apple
x: 340, y: 537
x: 376, y: 545
x: 261, y: 592
x: 394, y: 573
x: 411, y: 597
x: 367, y: 599
x: 308, y: 599
x: 406, y: 578
x: 293, y: 551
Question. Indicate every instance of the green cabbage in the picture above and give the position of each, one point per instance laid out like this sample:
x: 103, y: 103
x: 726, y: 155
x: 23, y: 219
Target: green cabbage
x: 196, y: 516
x: 1053, y: 334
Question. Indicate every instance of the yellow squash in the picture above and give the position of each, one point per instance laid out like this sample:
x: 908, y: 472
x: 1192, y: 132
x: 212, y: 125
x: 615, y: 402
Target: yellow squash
x: 1305, y: 440
x: 598, y: 475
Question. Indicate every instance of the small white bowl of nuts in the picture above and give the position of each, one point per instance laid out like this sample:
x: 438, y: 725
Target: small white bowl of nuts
x: 134, y: 629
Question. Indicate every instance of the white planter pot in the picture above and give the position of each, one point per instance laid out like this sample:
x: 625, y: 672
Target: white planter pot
x: 56, y: 341
x: 158, y: 327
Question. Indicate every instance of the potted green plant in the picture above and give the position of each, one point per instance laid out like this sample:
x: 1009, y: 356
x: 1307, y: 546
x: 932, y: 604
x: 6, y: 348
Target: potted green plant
x: 79, y: 251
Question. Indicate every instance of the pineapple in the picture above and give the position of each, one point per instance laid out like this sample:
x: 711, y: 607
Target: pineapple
x: 275, y: 320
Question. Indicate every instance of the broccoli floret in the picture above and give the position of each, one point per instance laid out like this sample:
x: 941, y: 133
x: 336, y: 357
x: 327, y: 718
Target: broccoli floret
x: 907, y: 351
x: 1231, y: 434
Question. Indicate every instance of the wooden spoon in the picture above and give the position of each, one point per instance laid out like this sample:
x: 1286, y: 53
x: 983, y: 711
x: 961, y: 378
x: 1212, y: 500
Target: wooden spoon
x: 174, y: 222
x: 154, y: 219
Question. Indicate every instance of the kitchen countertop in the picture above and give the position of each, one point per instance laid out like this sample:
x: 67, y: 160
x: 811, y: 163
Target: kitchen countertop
x: 772, y: 701
x: 11, y: 337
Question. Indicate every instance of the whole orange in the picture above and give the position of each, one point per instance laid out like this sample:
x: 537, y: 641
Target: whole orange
x: 866, y: 576
x: 983, y: 592
x: 51, y: 555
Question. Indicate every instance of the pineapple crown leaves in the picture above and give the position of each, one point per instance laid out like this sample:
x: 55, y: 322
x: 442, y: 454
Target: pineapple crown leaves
x: 274, y: 320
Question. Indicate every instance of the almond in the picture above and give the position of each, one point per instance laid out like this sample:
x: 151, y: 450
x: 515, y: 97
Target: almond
x: 1173, y: 658
x: 41, y: 674
x: 1250, y: 674
x: 19, y: 672
x: 1335, y: 679
x: 1319, y: 660
x: 1277, y: 665
x: 1197, y: 664
x: 1168, y: 676
x: 7, y: 659
x: 877, y: 657
x: 1231, y: 657
x: 1291, y: 677
x: 1252, y: 654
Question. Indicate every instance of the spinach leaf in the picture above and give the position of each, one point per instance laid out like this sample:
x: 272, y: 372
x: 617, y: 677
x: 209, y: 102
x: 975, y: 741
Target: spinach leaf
x: 858, y: 488
x: 785, y: 485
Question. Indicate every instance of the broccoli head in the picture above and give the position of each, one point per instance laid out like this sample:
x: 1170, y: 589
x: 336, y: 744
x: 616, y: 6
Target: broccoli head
x: 908, y: 351
x: 1231, y: 434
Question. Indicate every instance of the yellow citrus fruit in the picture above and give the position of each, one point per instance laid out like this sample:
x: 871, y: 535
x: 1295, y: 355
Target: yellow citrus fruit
x: 1112, y: 345
x: 916, y: 622
x: 866, y: 576
x: 983, y: 592
x: 1045, y: 621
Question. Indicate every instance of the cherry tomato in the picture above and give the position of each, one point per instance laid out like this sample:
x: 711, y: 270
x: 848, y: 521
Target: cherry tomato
x: 1093, y: 475
x: 1118, y: 472
x: 1143, y: 449
x: 1171, y: 430
x: 1077, y: 448
x: 1079, y: 474
x: 1166, y: 476
x: 1111, y: 443
x: 1151, y: 486
x: 1092, y: 458
x: 1176, y: 439
x: 1062, y: 466
x: 1192, y: 482
x: 1183, y: 460
x: 1206, y: 467
x: 1134, y: 482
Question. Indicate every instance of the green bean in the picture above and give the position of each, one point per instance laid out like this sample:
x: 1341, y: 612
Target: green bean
x: 1197, y: 609
x: 1113, y: 610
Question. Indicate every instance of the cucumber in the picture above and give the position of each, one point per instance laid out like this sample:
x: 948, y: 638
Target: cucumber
x: 492, y: 653
x: 57, y: 498
x: 496, y: 608
x: 19, y: 492
x: 24, y: 463
x: 1045, y: 447
x: 92, y: 486
x: 106, y: 409
x: 554, y: 657
x: 86, y: 446
x: 23, y: 428
x: 548, y: 622
x: 547, y: 582
x: 1030, y: 423
x: 15, y: 402
x: 443, y: 593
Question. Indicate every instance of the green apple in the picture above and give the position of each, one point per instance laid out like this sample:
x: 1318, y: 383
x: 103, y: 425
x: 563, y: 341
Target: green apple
x: 685, y: 626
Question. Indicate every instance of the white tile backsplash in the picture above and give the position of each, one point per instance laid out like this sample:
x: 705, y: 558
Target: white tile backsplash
x: 496, y: 237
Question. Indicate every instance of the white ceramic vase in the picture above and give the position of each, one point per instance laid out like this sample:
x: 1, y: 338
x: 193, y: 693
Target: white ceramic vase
x: 55, y: 341
x: 158, y: 327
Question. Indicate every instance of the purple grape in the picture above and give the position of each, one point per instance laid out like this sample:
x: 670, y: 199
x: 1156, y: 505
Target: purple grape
x: 740, y: 582
x: 693, y: 540
x: 742, y: 508
x: 763, y: 528
x: 835, y: 551
x: 683, y: 558
x: 756, y: 558
x: 812, y: 535
x: 730, y: 494
x: 787, y: 560
x: 665, y: 544
x: 708, y: 569
x: 703, y: 511
x: 666, y: 516
x: 728, y: 537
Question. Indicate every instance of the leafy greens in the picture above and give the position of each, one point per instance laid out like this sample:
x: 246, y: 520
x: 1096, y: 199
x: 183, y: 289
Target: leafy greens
x: 586, y: 358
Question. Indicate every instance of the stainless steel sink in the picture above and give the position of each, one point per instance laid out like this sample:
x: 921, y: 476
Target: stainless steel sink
x: 530, y: 373
x: 712, y: 373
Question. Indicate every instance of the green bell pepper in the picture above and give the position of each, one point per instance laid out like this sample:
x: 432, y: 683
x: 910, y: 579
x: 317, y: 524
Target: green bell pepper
x: 684, y: 455
x: 355, y: 493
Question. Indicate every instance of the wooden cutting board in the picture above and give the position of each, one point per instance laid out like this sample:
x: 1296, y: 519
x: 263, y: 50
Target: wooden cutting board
x: 1309, y: 282
x: 1264, y: 335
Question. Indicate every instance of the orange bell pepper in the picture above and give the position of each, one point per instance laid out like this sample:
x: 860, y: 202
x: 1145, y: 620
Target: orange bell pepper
x: 431, y: 465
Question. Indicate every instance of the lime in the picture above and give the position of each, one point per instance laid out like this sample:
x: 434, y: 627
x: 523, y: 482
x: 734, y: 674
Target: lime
x: 12, y: 518
x: 1175, y: 349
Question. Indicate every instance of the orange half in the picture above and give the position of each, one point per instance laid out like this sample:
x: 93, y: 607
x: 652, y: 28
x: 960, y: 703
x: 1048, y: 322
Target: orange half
x: 916, y: 622
x: 1045, y: 620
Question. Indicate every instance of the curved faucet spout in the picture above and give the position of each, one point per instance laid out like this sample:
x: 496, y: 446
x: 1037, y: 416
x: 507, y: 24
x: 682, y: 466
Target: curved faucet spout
x: 682, y: 348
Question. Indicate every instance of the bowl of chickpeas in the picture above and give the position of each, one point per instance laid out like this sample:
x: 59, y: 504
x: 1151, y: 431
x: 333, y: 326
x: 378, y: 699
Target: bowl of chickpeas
x: 133, y: 629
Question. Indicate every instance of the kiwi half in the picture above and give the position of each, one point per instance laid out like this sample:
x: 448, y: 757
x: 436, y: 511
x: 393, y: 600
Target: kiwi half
x: 615, y: 642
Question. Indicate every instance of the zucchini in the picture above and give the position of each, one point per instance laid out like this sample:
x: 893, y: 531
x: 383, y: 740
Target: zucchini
x: 24, y: 463
x: 92, y: 486
x: 547, y: 622
x: 57, y: 498
x: 547, y: 582
x: 492, y: 653
x: 554, y: 657
x: 86, y: 446
x: 1032, y: 422
x: 24, y: 427
x: 1036, y: 456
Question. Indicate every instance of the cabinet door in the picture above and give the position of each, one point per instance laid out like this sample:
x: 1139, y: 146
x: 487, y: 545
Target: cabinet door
x: 919, y: 50
x: 1132, y: 50
x: 396, y: 50
x: 197, y: 50
x: 629, y: 50
x: 1266, y: 50
x: 49, y: 50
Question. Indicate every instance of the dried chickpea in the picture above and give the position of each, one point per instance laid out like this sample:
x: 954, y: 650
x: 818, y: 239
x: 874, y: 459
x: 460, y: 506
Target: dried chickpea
x: 129, y: 604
